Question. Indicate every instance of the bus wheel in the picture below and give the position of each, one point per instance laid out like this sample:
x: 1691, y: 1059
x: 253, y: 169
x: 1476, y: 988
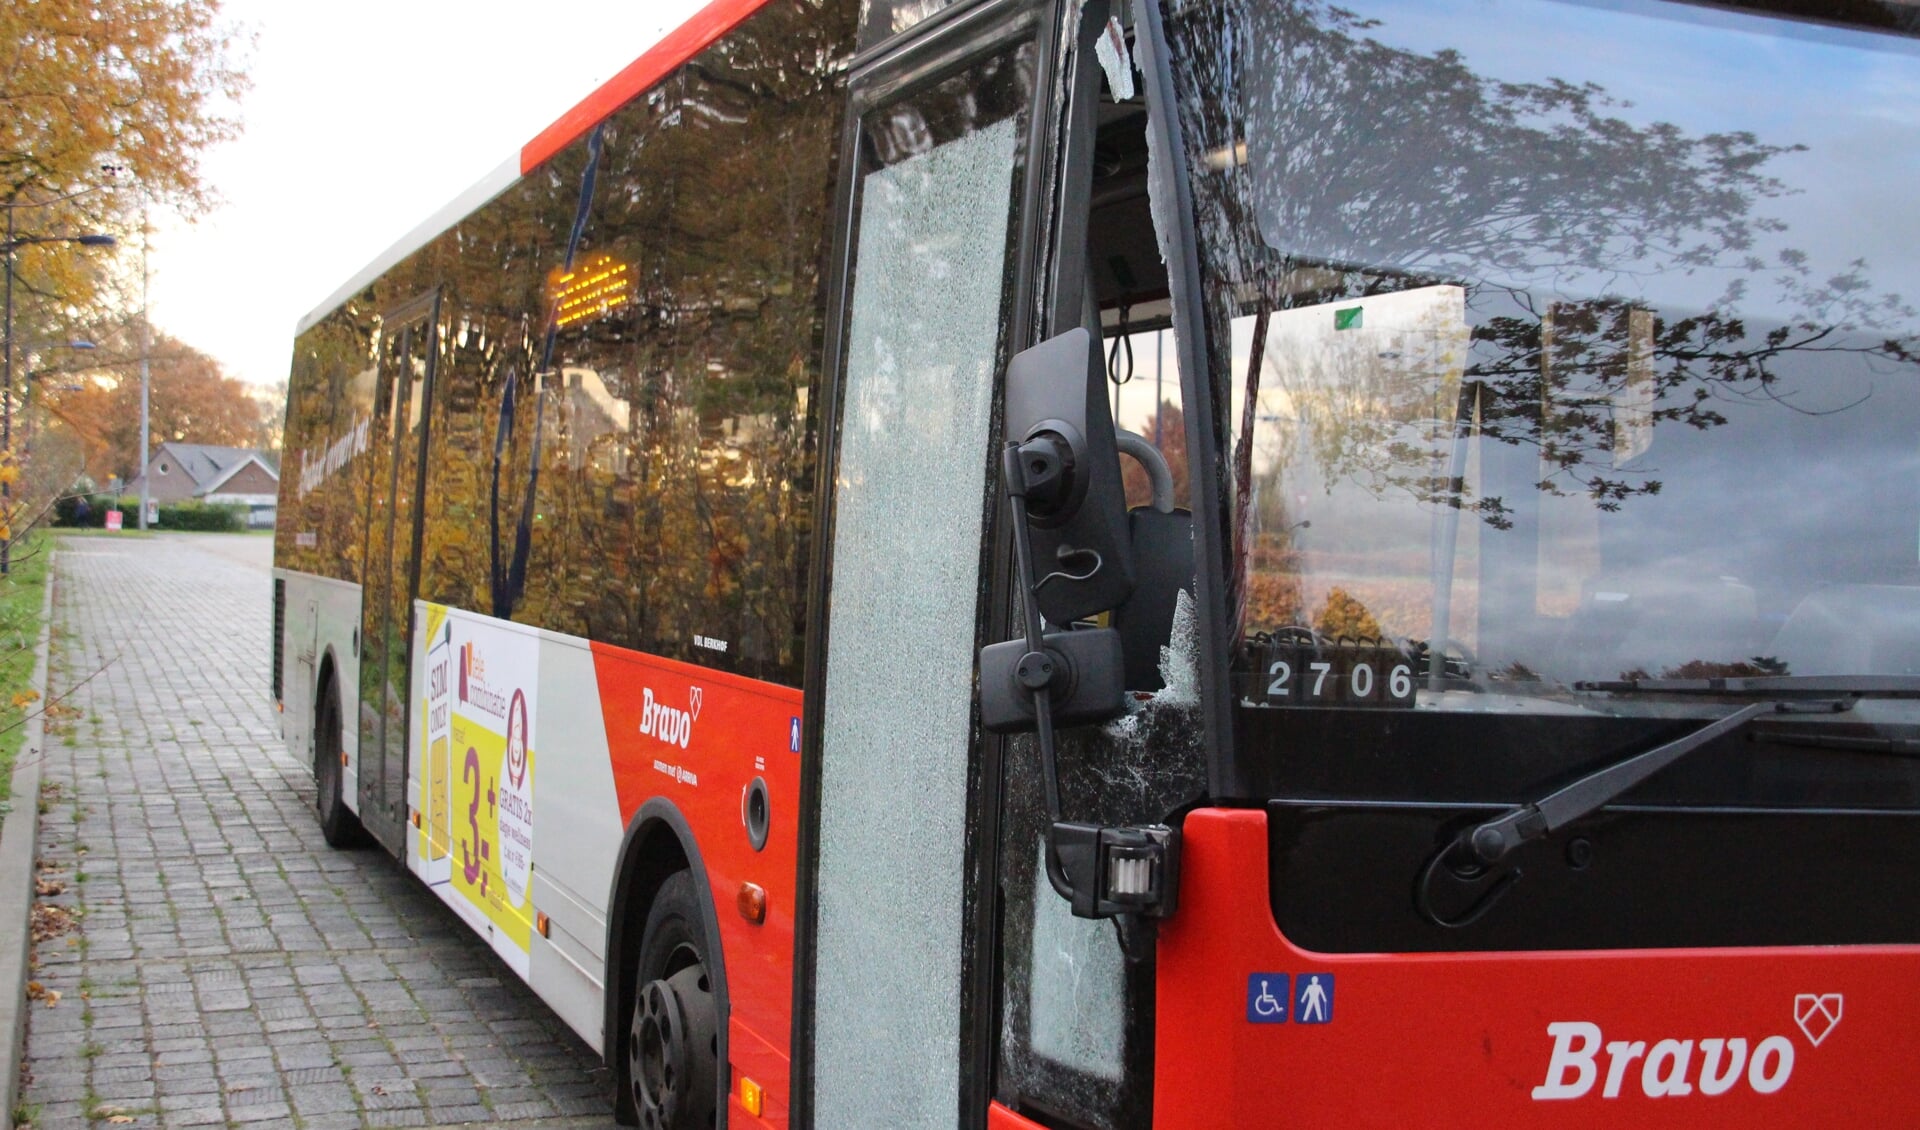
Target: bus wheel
x: 672, y: 1039
x: 337, y: 822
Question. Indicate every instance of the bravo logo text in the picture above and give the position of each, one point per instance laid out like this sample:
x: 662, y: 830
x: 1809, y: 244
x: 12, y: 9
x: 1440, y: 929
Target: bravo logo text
x: 1583, y: 1058
x: 669, y: 724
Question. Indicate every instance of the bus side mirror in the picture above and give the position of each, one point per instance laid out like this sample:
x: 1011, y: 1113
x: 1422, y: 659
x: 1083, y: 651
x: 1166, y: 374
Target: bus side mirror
x: 1069, y: 464
x: 1072, y: 551
x: 1061, y: 472
x: 1079, y: 671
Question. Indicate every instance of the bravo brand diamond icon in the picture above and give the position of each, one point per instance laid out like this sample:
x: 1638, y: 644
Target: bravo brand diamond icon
x: 1817, y: 1014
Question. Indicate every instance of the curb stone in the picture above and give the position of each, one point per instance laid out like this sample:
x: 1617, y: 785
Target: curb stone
x: 19, y: 838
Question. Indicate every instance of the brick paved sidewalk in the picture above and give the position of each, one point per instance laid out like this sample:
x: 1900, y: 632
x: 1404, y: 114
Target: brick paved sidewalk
x: 227, y: 967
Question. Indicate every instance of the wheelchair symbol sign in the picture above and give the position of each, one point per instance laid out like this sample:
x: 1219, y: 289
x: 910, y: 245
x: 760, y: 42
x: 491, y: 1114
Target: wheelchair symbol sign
x: 1267, y: 998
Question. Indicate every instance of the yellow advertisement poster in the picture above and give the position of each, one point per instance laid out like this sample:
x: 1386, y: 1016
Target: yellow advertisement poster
x: 476, y: 778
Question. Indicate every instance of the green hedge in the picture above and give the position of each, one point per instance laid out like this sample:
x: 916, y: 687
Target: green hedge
x: 191, y: 515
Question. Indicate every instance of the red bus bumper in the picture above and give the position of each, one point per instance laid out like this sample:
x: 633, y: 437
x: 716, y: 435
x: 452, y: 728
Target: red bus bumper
x: 1254, y: 1031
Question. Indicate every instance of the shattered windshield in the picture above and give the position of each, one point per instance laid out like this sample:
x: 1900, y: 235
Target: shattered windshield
x: 1557, y: 343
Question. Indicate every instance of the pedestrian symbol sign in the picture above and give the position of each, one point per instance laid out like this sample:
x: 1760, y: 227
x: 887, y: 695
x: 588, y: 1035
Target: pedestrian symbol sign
x: 793, y: 736
x: 1313, y: 1002
x: 1267, y: 998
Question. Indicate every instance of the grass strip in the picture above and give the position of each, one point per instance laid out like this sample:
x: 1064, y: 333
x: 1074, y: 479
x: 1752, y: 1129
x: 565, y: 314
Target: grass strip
x: 22, y: 592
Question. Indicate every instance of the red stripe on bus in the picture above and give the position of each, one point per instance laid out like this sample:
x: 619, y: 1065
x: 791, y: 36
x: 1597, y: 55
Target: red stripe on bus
x: 681, y: 44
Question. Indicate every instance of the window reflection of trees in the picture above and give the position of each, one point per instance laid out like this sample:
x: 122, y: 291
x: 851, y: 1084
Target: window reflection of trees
x: 323, y: 485
x: 1381, y: 169
x: 672, y: 428
x: 675, y: 447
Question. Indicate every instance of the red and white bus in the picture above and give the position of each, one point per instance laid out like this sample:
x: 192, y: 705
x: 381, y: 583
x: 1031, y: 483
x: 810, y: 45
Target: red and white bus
x: 1176, y: 563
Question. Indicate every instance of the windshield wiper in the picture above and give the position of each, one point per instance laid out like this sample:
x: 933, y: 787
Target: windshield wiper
x: 1821, y: 737
x: 1474, y: 860
x: 1766, y: 686
x: 1495, y: 840
x: 1785, y: 688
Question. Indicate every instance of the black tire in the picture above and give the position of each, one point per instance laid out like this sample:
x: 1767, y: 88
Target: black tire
x: 338, y: 825
x: 670, y: 1053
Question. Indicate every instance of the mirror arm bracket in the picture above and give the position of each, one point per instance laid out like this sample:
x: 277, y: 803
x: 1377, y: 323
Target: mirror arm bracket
x: 1103, y: 872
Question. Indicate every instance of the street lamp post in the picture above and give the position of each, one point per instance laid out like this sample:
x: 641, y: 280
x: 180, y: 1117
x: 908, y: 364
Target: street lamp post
x: 14, y: 243
x: 146, y: 336
x: 146, y: 347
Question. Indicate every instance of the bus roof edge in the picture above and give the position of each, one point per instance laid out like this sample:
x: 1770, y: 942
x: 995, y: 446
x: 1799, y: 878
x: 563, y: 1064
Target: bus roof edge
x: 675, y: 48
x: 452, y: 212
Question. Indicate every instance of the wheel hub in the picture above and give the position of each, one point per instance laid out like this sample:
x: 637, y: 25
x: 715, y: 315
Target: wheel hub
x: 671, y: 1052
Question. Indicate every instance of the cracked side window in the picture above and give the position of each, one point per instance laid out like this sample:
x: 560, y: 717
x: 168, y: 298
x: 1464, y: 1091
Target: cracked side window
x: 941, y: 175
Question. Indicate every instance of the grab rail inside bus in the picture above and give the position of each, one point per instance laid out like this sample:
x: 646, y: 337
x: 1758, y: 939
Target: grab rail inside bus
x: 1159, y: 476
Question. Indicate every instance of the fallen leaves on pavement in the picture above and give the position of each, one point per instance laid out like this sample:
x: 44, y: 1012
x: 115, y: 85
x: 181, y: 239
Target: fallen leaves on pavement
x: 51, y: 921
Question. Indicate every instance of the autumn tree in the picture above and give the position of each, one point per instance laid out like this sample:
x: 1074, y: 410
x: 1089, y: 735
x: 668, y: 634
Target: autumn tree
x: 105, y: 97
x: 1345, y: 617
x: 192, y: 401
x: 146, y: 84
x: 105, y: 110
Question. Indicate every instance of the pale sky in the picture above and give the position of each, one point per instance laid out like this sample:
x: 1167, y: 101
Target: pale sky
x: 365, y: 117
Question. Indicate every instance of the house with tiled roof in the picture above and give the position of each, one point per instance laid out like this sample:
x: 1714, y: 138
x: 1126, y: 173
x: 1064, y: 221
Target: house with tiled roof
x: 240, y: 476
